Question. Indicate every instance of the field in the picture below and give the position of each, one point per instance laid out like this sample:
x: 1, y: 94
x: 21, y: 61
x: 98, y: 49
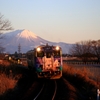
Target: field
x: 10, y: 74
x: 91, y: 70
x: 15, y: 79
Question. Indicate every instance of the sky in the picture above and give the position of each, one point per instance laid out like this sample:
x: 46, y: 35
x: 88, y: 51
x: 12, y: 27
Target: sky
x: 68, y: 21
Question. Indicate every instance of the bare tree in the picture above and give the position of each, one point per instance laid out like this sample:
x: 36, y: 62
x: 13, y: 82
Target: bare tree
x: 5, y: 25
x: 82, y: 50
x: 96, y: 49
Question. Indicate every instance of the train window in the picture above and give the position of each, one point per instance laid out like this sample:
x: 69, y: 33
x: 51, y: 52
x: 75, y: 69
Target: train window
x: 48, y: 54
x: 40, y: 54
x: 57, y: 54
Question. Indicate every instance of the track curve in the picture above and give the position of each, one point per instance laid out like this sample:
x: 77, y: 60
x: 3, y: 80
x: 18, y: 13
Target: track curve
x: 48, y: 91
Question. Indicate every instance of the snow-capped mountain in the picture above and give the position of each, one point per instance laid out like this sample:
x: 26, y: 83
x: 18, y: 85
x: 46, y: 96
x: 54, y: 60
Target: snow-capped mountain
x: 27, y: 41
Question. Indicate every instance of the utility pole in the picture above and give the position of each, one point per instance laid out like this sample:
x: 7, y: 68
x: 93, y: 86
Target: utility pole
x: 19, y: 49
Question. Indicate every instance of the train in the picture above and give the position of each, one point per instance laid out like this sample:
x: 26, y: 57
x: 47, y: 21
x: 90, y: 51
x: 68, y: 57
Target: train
x: 46, y: 60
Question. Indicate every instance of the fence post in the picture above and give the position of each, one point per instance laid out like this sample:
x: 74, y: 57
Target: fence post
x: 98, y: 92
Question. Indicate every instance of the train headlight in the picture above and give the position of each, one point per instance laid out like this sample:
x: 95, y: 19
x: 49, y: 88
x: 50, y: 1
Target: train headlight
x: 38, y: 49
x: 57, y: 48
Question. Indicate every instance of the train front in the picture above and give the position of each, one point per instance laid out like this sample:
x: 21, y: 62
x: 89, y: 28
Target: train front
x: 49, y: 62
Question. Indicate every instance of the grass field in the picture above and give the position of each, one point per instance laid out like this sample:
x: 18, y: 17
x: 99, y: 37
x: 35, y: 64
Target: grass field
x: 9, y: 76
x: 6, y: 83
x: 14, y: 79
x: 91, y: 71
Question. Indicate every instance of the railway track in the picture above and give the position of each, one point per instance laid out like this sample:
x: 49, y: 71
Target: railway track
x: 62, y: 89
x: 55, y: 91
x: 65, y: 88
x: 39, y: 93
x: 48, y: 91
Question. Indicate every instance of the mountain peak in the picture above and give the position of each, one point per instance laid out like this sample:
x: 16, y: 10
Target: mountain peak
x: 26, y: 34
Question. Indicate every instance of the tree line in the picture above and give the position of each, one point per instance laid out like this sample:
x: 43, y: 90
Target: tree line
x: 86, y: 50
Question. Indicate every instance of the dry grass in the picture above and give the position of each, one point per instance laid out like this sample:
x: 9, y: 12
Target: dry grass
x: 73, y: 71
x: 85, y: 85
x: 8, y: 77
x: 82, y: 74
x: 4, y: 63
x: 6, y: 83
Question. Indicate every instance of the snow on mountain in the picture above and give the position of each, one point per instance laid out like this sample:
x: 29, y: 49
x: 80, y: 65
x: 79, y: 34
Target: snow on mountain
x: 26, y: 34
x: 28, y: 41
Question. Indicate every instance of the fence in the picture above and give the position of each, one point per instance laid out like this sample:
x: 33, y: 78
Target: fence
x: 80, y: 62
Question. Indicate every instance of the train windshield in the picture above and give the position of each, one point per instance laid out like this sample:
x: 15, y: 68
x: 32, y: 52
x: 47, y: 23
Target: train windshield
x: 40, y: 54
x: 48, y: 54
x: 57, y: 54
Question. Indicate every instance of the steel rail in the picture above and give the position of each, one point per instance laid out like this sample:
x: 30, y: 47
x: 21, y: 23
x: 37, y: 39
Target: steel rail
x: 39, y: 93
x: 53, y: 95
x: 54, y: 91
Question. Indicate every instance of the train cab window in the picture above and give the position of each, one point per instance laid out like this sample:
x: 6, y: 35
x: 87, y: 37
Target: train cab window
x: 40, y: 54
x: 48, y: 54
x: 57, y: 54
